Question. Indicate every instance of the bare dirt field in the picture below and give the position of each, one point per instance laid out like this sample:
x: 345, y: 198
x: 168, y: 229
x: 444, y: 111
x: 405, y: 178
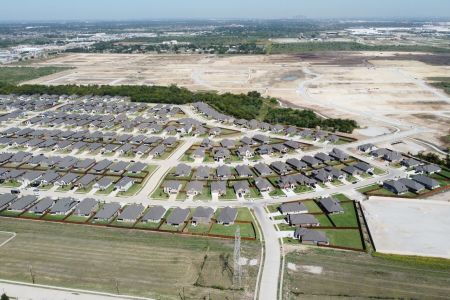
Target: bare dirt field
x: 376, y: 89
x: 409, y: 227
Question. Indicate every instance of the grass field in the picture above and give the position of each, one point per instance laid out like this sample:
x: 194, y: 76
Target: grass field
x: 349, y: 275
x: 344, y: 237
x: 14, y: 75
x: 139, y: 263
x: 348, y: 218
x: 246, y: 230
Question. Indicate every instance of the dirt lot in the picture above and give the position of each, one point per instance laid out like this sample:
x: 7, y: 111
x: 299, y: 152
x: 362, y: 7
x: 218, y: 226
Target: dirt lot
x: 107, y: 260
x: 373, y: 88
x: 327, y: 274
x: 410, y: 227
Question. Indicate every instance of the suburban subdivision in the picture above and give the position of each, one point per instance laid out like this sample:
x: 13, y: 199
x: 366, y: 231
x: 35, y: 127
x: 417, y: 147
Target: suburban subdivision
x: 243, y: 159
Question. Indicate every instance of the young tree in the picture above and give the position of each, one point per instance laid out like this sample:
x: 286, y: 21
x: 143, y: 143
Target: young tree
x: 4, y: 297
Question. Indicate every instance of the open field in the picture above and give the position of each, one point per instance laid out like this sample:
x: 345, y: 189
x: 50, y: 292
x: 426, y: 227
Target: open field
x: 106, y: 259
x: 371, y: 87
x: 409, y: 227
x: 14, y: 75
x: 327, y: 274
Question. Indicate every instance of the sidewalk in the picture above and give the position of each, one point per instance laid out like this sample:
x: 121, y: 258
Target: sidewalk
x: 24, y: 291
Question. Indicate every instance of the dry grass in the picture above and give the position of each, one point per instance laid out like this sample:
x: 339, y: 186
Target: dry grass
x: 139, y: 263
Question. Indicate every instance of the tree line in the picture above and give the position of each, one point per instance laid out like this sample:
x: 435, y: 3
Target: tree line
x: 242, y: 106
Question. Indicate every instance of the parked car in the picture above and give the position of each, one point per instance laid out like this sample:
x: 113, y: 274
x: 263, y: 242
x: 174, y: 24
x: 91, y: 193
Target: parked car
x: 15, y: 191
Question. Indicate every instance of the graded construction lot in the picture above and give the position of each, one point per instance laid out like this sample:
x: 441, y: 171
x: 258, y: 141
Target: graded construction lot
x: 328, y: 274
x: 410, y: 227
x: 370, y: 87
x: 159, y: 266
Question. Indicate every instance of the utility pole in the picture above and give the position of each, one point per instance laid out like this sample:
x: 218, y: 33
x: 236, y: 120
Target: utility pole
x: 33, y: 279
x: 237, y: 272
x: 117, y: 286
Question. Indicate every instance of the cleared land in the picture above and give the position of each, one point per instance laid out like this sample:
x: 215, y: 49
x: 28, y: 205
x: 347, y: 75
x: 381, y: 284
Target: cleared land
x: 14, y: 75
x: 327, y: 274
x: 137, y: 263
x: 370, y: 87
x: 410, y: 227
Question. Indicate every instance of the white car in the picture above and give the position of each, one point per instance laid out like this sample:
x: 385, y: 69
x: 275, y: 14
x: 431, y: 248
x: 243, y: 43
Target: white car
x: 36, y: 192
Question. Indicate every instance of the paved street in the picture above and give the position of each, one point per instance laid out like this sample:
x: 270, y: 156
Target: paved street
x: 269, y: 280
x: 23, y: 291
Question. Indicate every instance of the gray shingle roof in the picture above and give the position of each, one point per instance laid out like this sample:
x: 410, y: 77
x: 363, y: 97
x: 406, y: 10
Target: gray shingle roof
x: 42, y: 205
x: 202, y: 214
x: 309, y: 235
x: 292, y: 207
x: 154, y: 214
x: 428, y: 182
x: 302, y: 219
x: 262, y: 184
x: 178, y: 216
x: 131, y: 213
x: 183, y: 170
x: 227, y: 215
x: 107, y: 211
x: 6, y: 199
x: 218, y: 187
x: 395, y: 186
x: 63, y: 205
x: 86, y: 180
x: 331, y: 205
x: 22, y: 203
x: 137, y: 167
x: 85, y: 207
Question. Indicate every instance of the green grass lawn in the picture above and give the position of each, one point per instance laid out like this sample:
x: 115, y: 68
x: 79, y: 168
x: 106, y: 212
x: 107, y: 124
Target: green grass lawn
x: 244, y: 214
x: 8, y: 213
x: 277, y: 193
x: 302, y: 189
x: 273, y: 208
x: 323, y: 220
x: 341, y: 197
x: 378, y: 171
x: 369, y: 188
x: 64, y: 188
x: 31, y: 215
x: 11, y: 184
x: 122, y: 224
x: 53, y: 217
x: 168, y: 227
x: 160, y: 194
x: 344, y: 237
x: 15, y: 75
x: 348, y: 218
x: 133, y: 190
x: 84, y: 190
x: 200, y: 228
x: 385, y: 192
x: 312, y: 206
x: 229, y: 195
x: 205, y: 194
x: 74, y: 218
x: 246, y: 230
x: 105, y: 191
x: 147, y: 225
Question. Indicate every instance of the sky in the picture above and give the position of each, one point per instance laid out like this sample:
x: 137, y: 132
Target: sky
x: 47, y: 10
